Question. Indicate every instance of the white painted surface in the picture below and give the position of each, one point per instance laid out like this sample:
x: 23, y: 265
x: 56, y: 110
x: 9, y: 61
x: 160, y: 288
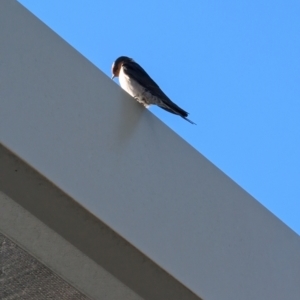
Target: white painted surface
x: 78, y: 128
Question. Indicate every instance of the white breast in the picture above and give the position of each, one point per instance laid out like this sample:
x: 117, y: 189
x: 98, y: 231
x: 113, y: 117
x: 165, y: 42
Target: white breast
x: 129, y: 85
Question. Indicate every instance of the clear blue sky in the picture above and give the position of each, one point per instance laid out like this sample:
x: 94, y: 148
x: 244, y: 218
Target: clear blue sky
x: 234, y: 65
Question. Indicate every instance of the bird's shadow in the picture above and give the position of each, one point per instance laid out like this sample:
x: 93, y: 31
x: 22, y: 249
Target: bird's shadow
x: 130, y: 116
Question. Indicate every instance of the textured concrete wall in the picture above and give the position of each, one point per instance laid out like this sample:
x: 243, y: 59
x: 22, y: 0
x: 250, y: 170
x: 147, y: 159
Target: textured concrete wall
x: 70, y: 122
x: 24, y: 277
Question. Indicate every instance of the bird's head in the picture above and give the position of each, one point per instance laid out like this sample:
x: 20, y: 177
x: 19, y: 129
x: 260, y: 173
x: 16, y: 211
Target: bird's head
x: 116, y: 66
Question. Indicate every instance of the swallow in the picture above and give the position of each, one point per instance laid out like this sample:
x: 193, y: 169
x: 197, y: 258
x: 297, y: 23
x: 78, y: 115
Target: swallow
x: 137, y: 83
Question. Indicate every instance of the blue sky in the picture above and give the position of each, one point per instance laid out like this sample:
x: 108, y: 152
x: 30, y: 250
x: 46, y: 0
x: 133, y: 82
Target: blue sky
x: 234, y: 65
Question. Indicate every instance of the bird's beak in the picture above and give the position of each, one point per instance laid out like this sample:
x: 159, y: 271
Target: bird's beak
x: 113, y: 76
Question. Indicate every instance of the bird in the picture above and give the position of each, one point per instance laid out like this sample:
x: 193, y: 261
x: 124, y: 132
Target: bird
x: 137, y: 83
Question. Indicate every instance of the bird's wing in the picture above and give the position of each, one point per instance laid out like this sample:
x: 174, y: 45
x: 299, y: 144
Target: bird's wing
x: 137, y: 73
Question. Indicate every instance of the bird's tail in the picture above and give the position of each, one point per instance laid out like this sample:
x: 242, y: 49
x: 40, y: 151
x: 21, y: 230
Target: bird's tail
x: 179, y: 112
x: 189, y: 120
